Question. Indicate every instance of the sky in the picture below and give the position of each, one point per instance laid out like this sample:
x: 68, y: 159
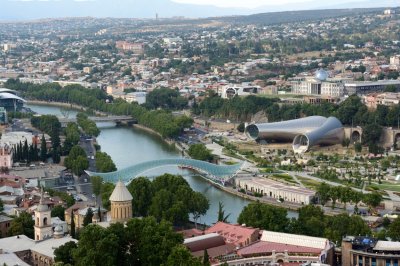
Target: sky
x: 251, y: 3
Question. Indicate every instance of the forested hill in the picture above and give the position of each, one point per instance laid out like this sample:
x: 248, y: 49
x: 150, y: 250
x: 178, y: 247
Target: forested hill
x: 295, y: 16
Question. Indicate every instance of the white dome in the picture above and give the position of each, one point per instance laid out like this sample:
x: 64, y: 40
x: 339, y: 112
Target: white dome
x: 58, y: 229
x: 120, y: 193
x: 321, y: 75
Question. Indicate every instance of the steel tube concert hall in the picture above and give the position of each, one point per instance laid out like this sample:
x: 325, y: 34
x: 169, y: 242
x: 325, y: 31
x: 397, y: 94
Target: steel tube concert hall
x: 304, y: 132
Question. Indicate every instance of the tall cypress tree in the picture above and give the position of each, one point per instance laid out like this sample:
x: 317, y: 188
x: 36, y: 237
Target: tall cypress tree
x: 72, y: 224
x: 25, y: 151
x: 43, y: 149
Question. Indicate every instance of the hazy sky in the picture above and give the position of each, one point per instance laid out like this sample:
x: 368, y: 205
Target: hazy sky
x: 250, y: 3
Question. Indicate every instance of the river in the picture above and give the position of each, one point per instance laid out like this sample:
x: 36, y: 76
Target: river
x: 128, y: 146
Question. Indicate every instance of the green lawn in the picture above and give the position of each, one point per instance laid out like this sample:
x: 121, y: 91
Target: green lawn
x: 308, y: 183
x: 284, y: 177
x: 391, y: 187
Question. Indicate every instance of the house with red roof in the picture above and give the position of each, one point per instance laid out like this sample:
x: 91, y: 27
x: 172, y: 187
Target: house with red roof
x: 238, y: 235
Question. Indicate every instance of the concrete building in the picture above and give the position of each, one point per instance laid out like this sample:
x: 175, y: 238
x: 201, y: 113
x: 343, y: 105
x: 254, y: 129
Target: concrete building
x: 318, y: 85
x: 369, y: 251
x: 276, y: 190
x: 5, y: 223
x: 231, y: 91
x: 364, y: 87
x: 374, y: 99
x: 285, y: 249
x: 6, y: 156
x: 121, y: 204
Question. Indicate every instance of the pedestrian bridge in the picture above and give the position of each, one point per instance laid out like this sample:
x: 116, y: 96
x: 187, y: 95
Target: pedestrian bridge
x: 115, y: 119
x: 219, y: 174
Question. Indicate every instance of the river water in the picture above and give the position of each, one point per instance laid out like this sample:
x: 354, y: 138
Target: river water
x: 129, y: 146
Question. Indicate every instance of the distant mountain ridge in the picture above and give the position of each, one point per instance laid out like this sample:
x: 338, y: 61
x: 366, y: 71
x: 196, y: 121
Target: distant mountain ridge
x: 34, y: 9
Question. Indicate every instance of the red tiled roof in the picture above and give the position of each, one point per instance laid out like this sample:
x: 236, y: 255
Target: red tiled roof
x: 191, y: 233
x: 266, y: 247
x: 217, y: 251
x: 233, y: 233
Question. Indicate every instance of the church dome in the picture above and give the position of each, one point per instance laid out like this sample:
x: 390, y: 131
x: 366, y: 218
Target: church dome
x: 321, y: 75
x: 58, y: 229
x: 120, y: 193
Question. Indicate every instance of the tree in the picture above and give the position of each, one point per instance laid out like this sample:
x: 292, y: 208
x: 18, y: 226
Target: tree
x: 96, y: 247
x: 311, y: 221
x: 1, y: 205
x: 142, y: 193
x: 206, y: 258
x: 76, y: 160
x: 198, y: 206
x: 339, y: 226
x: 58, y: 211
x: 104, y: 163
x: 22, y: 225
x: 97, y: 182
x: 335, y: 195
x: 394, y: 230
x: 200, y: 152
x: 88, y: 217
x: 264, y: 216
x: 43, y: 149
x: 181, y: 256
x: 64, y: 253
x: 372, y: 133
x: 357, y: 147
x: 372, y: 199
x: 221, y: 213
x: 241, y: 127
x: 323, y: 191
x: 72, y: 224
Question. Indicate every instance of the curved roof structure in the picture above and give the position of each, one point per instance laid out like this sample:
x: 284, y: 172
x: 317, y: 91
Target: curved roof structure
x: 8, y: 90
x: 120, y: 193
x: 304, y: 132
x: 215, y: 173
x: 7, y: 95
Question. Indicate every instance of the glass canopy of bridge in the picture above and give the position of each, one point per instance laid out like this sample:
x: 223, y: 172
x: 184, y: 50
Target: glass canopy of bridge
x: 216, y: 173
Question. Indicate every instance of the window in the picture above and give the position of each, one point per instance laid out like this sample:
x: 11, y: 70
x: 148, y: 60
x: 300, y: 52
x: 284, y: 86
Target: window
x: 388, y: 262
x: 360, y: 261
x: 396, y: 262
x: 373, y: 262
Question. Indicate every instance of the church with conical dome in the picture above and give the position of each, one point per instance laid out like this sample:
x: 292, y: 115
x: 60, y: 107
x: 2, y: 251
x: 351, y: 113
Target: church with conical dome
x: 121, y: 204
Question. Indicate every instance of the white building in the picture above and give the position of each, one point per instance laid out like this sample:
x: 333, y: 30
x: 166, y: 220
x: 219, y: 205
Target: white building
x: 138, y: 97
x: 318, y: 85
x: 6, y: 155
x: 231, y: 91
x: 277, y: 190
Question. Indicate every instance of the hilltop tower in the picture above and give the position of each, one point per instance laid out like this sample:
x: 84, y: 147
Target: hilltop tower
x: 43, y: 228
x: 121, y: 204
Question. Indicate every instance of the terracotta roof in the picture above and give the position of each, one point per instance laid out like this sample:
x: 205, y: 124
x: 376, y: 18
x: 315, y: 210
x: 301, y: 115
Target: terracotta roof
x: 267, y: 247
x: 217, y: 251
x: 232, y: 233
x: 120, y: 193
x: 191, y: 233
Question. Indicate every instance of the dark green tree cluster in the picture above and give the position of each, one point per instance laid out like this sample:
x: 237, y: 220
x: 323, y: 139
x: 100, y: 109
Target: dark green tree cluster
x: 72, y: 136
x: 312, y: 221
x: 167, y: 197
x: 163, y: 122
x: 200, y: 152
x: 350, y: 112
x: 140, y: 242
x: 25, y: 153
x: 345, y: 195
x: 104, y: 163
x: 58, y: 211
x: 52, y: 126
x: 77, y: 160
x: 166, y: 99
x: 88, y: 217
x: 88, y: 126
x: 22, y: 225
